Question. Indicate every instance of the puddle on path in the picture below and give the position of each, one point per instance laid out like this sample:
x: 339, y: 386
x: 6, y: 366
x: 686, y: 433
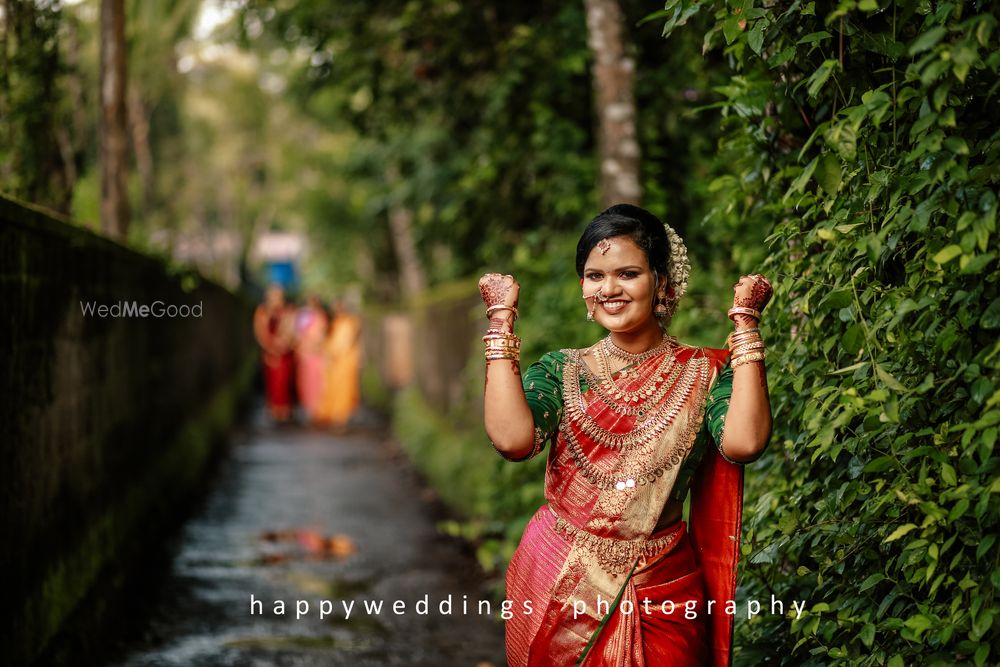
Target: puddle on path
x: 301, y: 515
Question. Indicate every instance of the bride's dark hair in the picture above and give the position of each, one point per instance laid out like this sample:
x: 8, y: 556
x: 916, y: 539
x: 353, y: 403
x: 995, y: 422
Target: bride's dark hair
x: 644, y: 228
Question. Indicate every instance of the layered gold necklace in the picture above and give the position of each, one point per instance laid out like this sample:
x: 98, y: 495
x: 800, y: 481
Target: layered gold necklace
x: 655, y: 404
x: 635, y: 402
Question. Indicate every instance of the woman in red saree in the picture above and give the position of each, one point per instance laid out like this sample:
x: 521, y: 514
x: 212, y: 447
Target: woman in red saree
x: 274, y: 328
x: 607, y: 572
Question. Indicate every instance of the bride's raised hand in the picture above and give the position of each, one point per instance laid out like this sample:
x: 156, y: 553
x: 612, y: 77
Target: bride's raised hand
x: 751, y: 293
x: 500, y: 293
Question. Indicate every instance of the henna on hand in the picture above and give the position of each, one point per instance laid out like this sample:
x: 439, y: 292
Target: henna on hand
x: 752, y: 292
x: 496, y: 289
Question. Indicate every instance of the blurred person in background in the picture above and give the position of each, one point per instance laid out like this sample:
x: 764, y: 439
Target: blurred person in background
x: 342, y: 383
x: 274, y: 328
x: 311, y: 324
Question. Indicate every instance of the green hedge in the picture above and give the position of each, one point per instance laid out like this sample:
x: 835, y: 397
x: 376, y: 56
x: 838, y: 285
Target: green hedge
x: 863, y: 136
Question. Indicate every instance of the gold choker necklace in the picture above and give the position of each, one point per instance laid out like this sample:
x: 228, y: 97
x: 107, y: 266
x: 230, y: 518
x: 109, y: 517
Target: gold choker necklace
x: 635, y: 357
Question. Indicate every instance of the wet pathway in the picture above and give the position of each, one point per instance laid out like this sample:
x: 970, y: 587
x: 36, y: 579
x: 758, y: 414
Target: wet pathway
x: 297, y: 515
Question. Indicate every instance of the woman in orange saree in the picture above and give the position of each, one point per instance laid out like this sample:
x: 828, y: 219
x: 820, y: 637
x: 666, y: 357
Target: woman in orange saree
x: 342, y: 380
x: 610, y: 572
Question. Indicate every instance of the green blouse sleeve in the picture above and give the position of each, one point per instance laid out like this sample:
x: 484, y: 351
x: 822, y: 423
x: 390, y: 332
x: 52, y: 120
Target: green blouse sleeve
x: 542, y: 383
x: 717, y: 407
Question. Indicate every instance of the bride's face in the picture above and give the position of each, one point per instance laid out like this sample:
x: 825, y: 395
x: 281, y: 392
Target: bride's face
x: 620, y: 284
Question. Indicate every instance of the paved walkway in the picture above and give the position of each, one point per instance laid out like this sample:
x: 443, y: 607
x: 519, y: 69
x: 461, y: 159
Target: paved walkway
x: 299, y: 515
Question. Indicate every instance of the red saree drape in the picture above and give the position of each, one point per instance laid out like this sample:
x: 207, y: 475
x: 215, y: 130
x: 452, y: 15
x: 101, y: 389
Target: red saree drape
x: 604, y: 503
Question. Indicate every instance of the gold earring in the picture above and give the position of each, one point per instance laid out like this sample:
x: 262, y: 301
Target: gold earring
x: 661, y: 305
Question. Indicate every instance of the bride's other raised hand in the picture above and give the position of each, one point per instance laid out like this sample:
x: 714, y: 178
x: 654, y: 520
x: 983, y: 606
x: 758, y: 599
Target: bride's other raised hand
x: 500, y: 293
x: 752, y: 292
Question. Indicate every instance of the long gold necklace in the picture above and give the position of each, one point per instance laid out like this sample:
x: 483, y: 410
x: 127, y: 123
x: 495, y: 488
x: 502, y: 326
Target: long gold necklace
x: 648, y: 387
x: 664, y: 377
x: 624, y: 476
x: 645, y: 430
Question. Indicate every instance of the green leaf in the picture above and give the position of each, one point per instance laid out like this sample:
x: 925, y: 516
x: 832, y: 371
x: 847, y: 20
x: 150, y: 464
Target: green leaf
x: 815, y: 37
x: 888, y: 379
x: 948, y: 475
x: 853, y: 339
x: 981, y: 389
x: 956, y: 145
x: 982, y: 624
x: 947, y: 254
x: 918, y: 623
x: 867, y: 634
x: 990, y: 318
x: 927, y: 40
x: 781, y: 57
x: 983, y: 30
x: 982, y: 653
x: 900, y: 532
x: 828, y: 174
x: 879, y: 464
x: 731, y: 28
x: 870, y: 581
x: 800, y: 181
x: 837, y: 299
x: 985, y: 546
x: 977, y: 263
x: 755, y: 38
x: 820, y: 76
x: 922, y: 124
x: 959, y: 510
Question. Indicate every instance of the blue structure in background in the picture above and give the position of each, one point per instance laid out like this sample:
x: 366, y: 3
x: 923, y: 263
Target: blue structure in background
x: 283, y: 273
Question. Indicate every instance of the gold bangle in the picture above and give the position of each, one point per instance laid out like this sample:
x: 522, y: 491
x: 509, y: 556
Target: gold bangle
x: 494, y: 334
x: 740, y: 310
x: 737, y: 332
x: 747, y: 358
x: 501, y: 343
x: 749, y: 347
x: 752, y: 331
x: 743, y: 340
x: 503, y: 357
x: 493, y: 338
x: 499, y: 306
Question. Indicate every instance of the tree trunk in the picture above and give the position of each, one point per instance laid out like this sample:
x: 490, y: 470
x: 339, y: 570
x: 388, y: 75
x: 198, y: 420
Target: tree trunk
x: 412, y: 278
x: 113, y: 133
x: 138, y: 121
x: 614, y: 102
x: 411, y: 271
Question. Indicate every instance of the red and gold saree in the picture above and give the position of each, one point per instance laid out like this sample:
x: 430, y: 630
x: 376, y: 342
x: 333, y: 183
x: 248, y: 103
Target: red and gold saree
x: 593, y: 566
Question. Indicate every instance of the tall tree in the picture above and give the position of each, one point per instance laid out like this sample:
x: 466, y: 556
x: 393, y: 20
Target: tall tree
x: 113, y: 134
x: 614, y: 102
x: 33, y: 118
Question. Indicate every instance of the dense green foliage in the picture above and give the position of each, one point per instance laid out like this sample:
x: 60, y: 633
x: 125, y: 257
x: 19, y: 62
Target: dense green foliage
x: 865, y: 136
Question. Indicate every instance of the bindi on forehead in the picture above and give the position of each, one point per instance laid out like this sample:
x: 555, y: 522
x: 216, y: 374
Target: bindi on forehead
x: 619, y: 251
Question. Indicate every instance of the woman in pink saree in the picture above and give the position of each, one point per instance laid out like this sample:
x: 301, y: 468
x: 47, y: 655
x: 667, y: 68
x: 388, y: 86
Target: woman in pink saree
x: 608, y: 572
x: 311, y: 325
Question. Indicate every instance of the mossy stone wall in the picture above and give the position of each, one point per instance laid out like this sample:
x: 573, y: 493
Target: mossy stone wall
x: 106, y: 423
